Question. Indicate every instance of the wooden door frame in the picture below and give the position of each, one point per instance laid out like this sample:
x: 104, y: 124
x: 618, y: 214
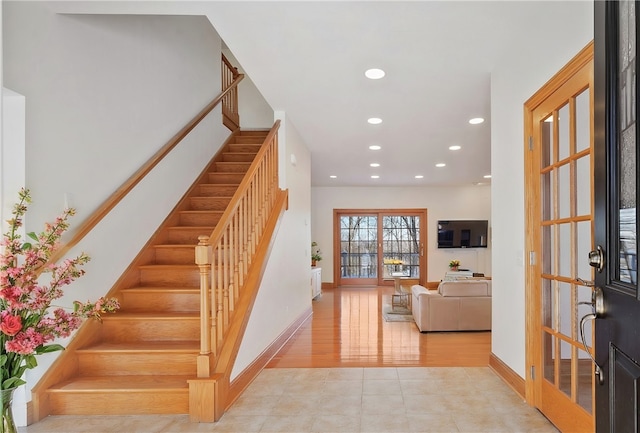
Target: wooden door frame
x: 336, y: 237
x: 532, y: 197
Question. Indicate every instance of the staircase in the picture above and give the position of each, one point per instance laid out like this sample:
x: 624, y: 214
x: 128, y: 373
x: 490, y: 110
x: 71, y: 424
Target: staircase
x: 139, y: 360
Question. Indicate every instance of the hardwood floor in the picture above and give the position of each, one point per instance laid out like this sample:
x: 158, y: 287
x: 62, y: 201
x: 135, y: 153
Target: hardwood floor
x: 347, y: 330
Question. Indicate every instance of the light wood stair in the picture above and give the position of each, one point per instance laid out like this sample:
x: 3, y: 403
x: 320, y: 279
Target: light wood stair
x: 145, y: 353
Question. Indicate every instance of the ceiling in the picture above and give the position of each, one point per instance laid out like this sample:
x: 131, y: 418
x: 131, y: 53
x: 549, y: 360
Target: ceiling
x: 309, y: 58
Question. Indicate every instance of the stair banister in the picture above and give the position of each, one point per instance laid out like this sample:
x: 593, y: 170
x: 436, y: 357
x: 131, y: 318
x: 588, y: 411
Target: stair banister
x: 130, y: 183
x: 233, y: 243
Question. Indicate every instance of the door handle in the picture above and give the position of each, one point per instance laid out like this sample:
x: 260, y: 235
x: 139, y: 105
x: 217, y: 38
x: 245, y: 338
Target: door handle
x: 597, y: 305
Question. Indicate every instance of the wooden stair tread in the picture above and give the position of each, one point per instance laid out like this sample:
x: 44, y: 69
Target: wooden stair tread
x: 209, y: 228
x: 169, y: 267
x: 173, y: 246
x: 202, y: 212
x: 151, y: 383
x: 163, y: 289
x: 148, y: 316
x: 144, y: 346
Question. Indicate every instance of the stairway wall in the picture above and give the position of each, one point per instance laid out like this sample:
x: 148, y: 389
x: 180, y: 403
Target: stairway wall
x: 103, y: 93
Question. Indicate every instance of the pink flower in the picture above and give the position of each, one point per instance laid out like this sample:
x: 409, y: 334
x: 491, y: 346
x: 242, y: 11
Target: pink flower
x: 10, y: 324
x: 25, y: 343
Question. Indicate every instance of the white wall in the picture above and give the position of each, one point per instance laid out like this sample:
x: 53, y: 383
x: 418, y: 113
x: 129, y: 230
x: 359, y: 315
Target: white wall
x: 285, y: 292
x: 103, y: 94
x: 465, y: 202
x: 565, y: 28
x: 12, y: 150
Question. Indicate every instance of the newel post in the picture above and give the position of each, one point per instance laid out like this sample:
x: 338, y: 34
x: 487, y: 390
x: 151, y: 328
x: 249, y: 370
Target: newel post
x: 203, y: 260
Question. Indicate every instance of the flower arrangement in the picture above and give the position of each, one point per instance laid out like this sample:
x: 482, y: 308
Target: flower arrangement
x: 454, y: 264
x: 27, y: 326
x: 316, y: 254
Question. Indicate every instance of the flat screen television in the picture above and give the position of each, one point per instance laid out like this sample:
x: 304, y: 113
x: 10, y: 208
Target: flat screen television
x: 462, y: 233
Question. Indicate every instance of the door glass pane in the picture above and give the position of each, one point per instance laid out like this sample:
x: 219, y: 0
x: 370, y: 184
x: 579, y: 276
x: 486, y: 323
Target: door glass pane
x: 565, y: 309
x: 585, y: 379
x: 564, y: 378
x: 548, y: 249
x: 565, y: 249
x: 401, y: 246
x: 547, y: 303
x: 563, y: 133
x: 548, y: 356
x: 583, y: 185
x: 583, y: 121
x: 564, y: 194
x: 547, y: 141
x: 358, y: 246
x: 584, y: 245
x: 627, y: 189
x: 546, y: 203
x: 584, y: 295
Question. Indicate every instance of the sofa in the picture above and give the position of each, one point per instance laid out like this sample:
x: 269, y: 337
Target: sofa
x: 462, y: 305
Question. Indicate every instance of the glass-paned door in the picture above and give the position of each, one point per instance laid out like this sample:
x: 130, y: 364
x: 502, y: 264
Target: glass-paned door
x: 560, y: 237
x: 377, y: 247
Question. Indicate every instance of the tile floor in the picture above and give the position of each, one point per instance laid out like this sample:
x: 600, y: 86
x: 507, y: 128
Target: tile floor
x: 342, y: 400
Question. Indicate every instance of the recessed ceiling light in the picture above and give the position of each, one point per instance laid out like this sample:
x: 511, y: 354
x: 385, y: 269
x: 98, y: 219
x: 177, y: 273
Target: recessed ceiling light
x: 333, y: 176
x: 419, y: 176
x: 487, y: 176
x: 441, y: 164
x: 375, y: 176
x: 479, y: 183
x: 454, y: 148
x: 375, y: 147
x: 374, y: 73
x: 476, y: 120
x: 374, y: 164
x: 374, y: 120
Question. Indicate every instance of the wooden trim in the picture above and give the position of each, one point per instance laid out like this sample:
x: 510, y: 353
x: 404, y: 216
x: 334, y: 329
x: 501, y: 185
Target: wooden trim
x: 244, y: 379
x: 130, y: 183
x: 509, y: 376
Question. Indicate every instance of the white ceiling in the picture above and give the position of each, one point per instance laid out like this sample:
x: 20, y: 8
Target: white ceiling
x: 308, y: 59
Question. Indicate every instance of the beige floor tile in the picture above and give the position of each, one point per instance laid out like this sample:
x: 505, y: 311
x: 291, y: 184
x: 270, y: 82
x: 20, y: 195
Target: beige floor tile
x: 253, y: 405
x: 370, y: 423
x: 287, y: 424
x: 479, y: 422
x: 342, y: 387
x: 381, y: 387
x: 382, y: 405
x: 295, y: 404
x: 431, y: 423
x: 356, y: 373
x: 336, y: 423
x: 418, y: 387
x: 377, y: 373
x: 348, y: 405
x: 239, y: 423
x: 410, y: 373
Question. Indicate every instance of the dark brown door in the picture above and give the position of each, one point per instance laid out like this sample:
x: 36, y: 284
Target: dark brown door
x: 616, y: 221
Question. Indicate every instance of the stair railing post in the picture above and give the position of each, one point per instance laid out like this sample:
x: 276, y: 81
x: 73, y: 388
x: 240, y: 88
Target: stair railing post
x: 203, y: 260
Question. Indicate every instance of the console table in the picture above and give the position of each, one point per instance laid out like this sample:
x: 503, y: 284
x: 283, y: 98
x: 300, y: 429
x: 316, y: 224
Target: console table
x: 316, y: 282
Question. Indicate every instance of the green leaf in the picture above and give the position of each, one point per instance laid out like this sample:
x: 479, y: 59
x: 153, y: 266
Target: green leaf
x: 30, y: 361
x: 48, y: 349
x: 12, y: 382
x: 26, y: 246
x: 3, y: 360
x: 33, y: 236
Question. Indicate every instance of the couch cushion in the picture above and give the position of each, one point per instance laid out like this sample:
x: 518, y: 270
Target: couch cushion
x: 464, y: 288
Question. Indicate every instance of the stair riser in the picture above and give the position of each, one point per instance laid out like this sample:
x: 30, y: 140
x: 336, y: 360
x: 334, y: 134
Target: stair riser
x: 212, y: 190
x: 238, y: 157
x: 119, y: 403
x: 249, y: 139
x: 140, y: 301
x: 175, y: 256
x: 188, y: 236
x: 246, y: 148
x: 155, y: 363
x: 231, y: 167
x: 200, y: 219
x: 167, y: 277
x: 209, y: 203
x: 226, y: 178
x: 119, y: 331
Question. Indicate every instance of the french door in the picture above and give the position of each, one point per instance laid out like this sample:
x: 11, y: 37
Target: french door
x: 374, y: 247
x: 616, y: 219
x: 559, y: 223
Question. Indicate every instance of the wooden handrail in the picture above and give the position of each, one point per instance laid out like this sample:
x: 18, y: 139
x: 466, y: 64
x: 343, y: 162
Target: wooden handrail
x: 130, y: 183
